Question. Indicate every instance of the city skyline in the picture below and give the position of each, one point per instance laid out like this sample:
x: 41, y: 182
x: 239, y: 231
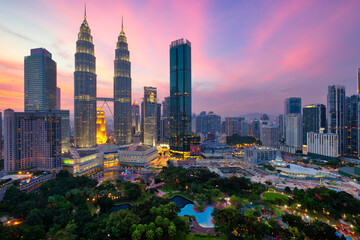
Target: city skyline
x: 256, y: 66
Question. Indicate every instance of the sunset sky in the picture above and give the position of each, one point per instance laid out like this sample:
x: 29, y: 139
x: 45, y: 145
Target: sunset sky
x: 247, y: 56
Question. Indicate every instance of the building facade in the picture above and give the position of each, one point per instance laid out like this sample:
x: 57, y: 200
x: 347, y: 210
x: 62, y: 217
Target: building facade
x: 122, y: 91
x: 323, y: 145
x: 260, y: 155
x: 270, y: 136
x: 293, y: 131
x: 292, y: 106
x: 208, y: 123
x: 148, y: 116
x: 166, y: 118
x: 336, y: 114
x: 352, y: 125
x: 32, y: 139
x: 314, y: 119
x: 181, y: 137
x: 85, y: 89
x: 135, y: 118
x: 39, y: 81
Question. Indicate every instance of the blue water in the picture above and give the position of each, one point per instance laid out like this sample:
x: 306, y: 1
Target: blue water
x: 120, y: 207
x: 203, y: 218
x: 179, y: 201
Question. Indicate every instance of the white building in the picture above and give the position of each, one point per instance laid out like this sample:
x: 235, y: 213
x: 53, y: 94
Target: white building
x: 137, y: 156
x: 260, y: 155
x: 323, y: 145
x: 293, y: 132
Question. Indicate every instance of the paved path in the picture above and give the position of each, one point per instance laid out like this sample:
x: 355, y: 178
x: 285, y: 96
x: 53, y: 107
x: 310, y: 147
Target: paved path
x: 199, y: 229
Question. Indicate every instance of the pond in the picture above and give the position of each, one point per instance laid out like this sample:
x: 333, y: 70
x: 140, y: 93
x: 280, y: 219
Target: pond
x: 186, y: 208
x: 120, y: 207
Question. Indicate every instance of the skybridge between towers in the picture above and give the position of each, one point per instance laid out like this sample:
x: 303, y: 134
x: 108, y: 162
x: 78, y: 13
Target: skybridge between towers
x: 105, y: 101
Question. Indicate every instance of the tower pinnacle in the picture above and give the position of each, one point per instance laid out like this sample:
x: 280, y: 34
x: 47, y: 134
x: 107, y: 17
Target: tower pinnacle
x: 85, y: 11
x: 122, y: 26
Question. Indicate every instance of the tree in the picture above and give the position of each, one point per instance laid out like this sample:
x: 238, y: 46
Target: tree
x: 131, y: 190
x: 159, y: 232
x: 136, y: 235
x: 150, y: 235
x: 172, y: 230
x: 119, y: 223
x: 34, y: 232
x: 105, y: 204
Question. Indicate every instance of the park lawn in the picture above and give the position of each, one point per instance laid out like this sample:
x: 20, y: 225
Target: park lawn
x: 273, y: 196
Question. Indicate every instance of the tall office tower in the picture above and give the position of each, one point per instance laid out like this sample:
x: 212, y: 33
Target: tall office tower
x: 336, y: 114
x: 358, y: 80
x: 292, y: 105
x: 58, y: 98
x: 280, y: 125
x: 32, y: 139
x: 158, y: 122
x: 208, y: 123
x: 101, y: 137
x: 193, y: 123
x: 244, y: 128
x: 65, y: 129
x: 1, y: 138
x: 270, y: 136
x: 136, y: 118
x: 181, y: 137
x: 352, y: 122
x: 122, y: 91
x: 255, y: 128
x: 314, y: 119
x: 39, y: 81
x: 264, y: 121
x: 166, y: 118
x: 148, y: 116
x: 293, y: 133
x: 85, y: 89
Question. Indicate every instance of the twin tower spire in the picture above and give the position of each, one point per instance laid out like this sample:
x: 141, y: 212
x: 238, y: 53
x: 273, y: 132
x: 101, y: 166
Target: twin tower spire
x: 85, y: 96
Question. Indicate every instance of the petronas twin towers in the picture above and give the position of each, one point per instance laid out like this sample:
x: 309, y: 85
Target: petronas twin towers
x: 85, y: 90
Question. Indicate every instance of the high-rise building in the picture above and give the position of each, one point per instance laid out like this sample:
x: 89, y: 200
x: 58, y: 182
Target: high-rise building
x: 293, y: 134
x: 158, y: 122
x: 255, y: 128
x: 358, y: 82
x: 136, y: 117
x: 39, y: 81
x: 101, y: 137
x: 336, y: 114
x: 85, y: 88
x: 292, y: 105
x: 148, y: 116
x: 122, y: 91
x: 32, y: 139
x: 58, y: 98
x: 352, y: 128
x: 270, y: 136
x: 314, y: 119
x: 231, y: 126
x: 166, y: 116
x: 1, y: 138
x: 181, y: 137
x: 65, y: 129
x: 280, y: 125
x: 323, y: 145
x: 208, y: 123
x: 264, y: 121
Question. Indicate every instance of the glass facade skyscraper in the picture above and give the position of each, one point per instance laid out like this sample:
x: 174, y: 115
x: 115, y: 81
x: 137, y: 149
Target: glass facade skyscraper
x: 180, y: 97
x: 352, y: 130
x: 148, y: 116
x: 85, y: 89
x: 122, y: 91
x: 293, y: 105
x: 39, y: 81
x: 314, y: 119
x: 336, y: 114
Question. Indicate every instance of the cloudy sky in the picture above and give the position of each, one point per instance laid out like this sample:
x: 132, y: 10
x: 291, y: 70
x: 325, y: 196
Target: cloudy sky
x: 247, y: 56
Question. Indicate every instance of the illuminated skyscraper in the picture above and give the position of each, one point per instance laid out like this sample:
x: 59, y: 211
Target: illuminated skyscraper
x: 101, y: 137
x: 180, y: 97
x: 148, y: 116
x: 85, y: 88
x: 122, y: 91
x: 39, y: 81
x: 293, y: 105
x: 314, y: 119
x: 136, y: 117
x: 336, y: 114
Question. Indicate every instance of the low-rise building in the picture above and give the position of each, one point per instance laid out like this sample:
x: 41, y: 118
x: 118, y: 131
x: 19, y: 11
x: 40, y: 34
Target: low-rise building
x: 260, y: 155
x: 85, y: 164
x: 137, y: 156
x: 213, y: 149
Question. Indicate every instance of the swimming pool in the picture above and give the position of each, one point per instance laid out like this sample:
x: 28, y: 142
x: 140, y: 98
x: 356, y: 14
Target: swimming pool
x: 203, y: 218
